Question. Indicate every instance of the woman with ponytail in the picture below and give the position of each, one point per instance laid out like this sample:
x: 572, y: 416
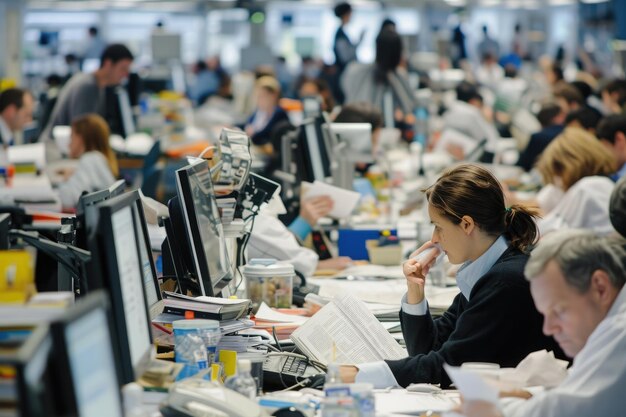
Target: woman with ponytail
x: 493, y: 319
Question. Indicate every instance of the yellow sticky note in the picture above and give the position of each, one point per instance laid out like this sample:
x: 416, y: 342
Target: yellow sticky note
x: 229, y: 359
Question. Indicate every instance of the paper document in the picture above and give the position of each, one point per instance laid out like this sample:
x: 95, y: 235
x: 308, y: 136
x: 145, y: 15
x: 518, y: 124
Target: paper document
x: 26, y: 154
x: 344, y: 200
x: 471, y: 385
x: 267, y: 314
x: 399, y: 401
x: 345, y: 331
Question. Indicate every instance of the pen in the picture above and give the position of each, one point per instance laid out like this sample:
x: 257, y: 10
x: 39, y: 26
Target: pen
x: 162, y: 328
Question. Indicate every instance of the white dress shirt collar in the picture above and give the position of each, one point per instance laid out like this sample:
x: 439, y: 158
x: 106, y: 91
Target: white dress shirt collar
x: 5, y: 132
x: 470, y: 272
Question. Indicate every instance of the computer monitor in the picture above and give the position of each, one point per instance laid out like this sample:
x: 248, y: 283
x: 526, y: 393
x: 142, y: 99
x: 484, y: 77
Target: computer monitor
x: 5, y: 225
x: 118, y: 111
x: 166, y: 47
x: 87, y: 214
x: 90, y: 65
x: 115, y: 252
x: 350, y: 143
x: 311, y: 106
x: 150, y: 281
x: 117, y: 188
x: 204, y: 227
x: 356, y: 136
x: 311, y: 155
x: 30, y: 390
x: 88, y: 385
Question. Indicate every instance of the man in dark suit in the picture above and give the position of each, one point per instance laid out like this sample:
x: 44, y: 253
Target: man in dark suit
x: 16, y: 111
x: 551, y: 117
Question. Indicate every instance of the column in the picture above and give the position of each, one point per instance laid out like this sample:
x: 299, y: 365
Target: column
x: 11, y: 34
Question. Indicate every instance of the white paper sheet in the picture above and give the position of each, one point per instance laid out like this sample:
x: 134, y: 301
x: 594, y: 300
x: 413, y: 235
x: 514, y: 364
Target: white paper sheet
x: 266, y: 313
x: 344, y: 200
x: 399, y: 401
x: 471, y: 385
x: 31, y: 153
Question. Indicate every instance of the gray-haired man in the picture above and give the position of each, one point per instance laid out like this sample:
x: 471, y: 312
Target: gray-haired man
x: 577, y: 283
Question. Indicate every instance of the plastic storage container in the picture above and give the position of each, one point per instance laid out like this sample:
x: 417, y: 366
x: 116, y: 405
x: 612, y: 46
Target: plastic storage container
x: 190, y: 336
x: 269, y: 281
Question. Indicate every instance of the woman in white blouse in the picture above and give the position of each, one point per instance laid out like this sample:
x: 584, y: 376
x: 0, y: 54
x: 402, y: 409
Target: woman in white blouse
x: 576, y: 167
x: 97, y: 165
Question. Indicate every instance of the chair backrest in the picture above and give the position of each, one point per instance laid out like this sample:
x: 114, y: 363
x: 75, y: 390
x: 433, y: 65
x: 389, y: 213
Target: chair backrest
x: 151, y: 172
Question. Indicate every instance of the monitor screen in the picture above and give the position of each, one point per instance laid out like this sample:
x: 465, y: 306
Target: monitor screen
x: 117, y: 267
x: 129, y: 268
x: 88, y: 344
x: 204, y: 227
x: 150, y: 281
x: 166, y: 47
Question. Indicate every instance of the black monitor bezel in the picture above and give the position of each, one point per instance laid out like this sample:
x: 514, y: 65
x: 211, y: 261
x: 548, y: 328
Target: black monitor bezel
x: 305, y: 170
x: 199, y: 264
x: 67, y: 395
x: 28, y: 403
x: 104, y: 247
x: 145, y: 238
x: 5, y: 226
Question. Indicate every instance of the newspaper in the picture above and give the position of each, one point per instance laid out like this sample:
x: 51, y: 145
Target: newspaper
x: 345, y: 331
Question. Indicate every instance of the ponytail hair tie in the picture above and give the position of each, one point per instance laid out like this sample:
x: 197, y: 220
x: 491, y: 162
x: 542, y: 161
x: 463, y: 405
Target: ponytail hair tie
x: 508, y: 209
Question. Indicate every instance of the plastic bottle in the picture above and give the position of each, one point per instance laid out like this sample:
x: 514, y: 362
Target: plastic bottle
x: 364, y: 398
x: 337, y: 400
x: 133, y: 400
x: 242, y: 381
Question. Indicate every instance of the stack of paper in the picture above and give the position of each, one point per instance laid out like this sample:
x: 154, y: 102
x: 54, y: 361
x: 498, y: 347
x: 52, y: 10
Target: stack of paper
x: 245, y: 341
x: 274, y: 321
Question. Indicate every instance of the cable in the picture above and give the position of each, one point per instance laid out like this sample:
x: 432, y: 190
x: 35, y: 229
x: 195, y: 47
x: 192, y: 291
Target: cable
x: 205, y: 150
x: 276, y: 338
x: 299, y: 384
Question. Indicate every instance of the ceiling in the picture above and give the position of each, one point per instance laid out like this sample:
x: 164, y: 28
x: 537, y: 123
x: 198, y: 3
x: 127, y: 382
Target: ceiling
x: 200, y: 4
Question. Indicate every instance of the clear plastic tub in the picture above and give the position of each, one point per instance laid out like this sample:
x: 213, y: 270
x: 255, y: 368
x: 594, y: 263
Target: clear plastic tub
x: 269, y: 281
x: 192, y: 335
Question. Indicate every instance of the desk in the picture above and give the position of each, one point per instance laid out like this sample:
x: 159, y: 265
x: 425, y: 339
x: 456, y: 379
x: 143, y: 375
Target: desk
x: 389, y: 291
x: 31, y: 192
x: 399, y: 402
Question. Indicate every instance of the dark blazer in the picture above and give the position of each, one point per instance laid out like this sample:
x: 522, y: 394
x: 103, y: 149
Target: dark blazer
x: 264, y: 135
x: 498, y: 324
x: 536, y: 145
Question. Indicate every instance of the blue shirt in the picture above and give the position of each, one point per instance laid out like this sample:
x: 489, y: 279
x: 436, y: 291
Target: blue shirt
x: 300, y: 228
x: 378, y: 373
x: 619, y: 174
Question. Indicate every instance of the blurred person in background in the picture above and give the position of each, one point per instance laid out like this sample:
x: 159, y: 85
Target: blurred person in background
x: 16, y: 111
x: 97, y: 165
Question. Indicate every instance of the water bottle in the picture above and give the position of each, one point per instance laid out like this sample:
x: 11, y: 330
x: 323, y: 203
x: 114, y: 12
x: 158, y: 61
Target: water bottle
x: 242, y: 381
x: 337, y: 400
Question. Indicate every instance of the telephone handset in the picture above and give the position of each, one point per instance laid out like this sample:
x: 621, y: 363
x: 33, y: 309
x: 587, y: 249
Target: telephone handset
x: 199, y: 398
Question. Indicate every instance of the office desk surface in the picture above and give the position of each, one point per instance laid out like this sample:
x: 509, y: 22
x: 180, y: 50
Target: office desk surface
x: 387, y: 291
x: 34, y: 188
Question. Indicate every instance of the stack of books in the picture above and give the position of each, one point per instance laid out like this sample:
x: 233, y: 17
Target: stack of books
x: 205, y: 307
